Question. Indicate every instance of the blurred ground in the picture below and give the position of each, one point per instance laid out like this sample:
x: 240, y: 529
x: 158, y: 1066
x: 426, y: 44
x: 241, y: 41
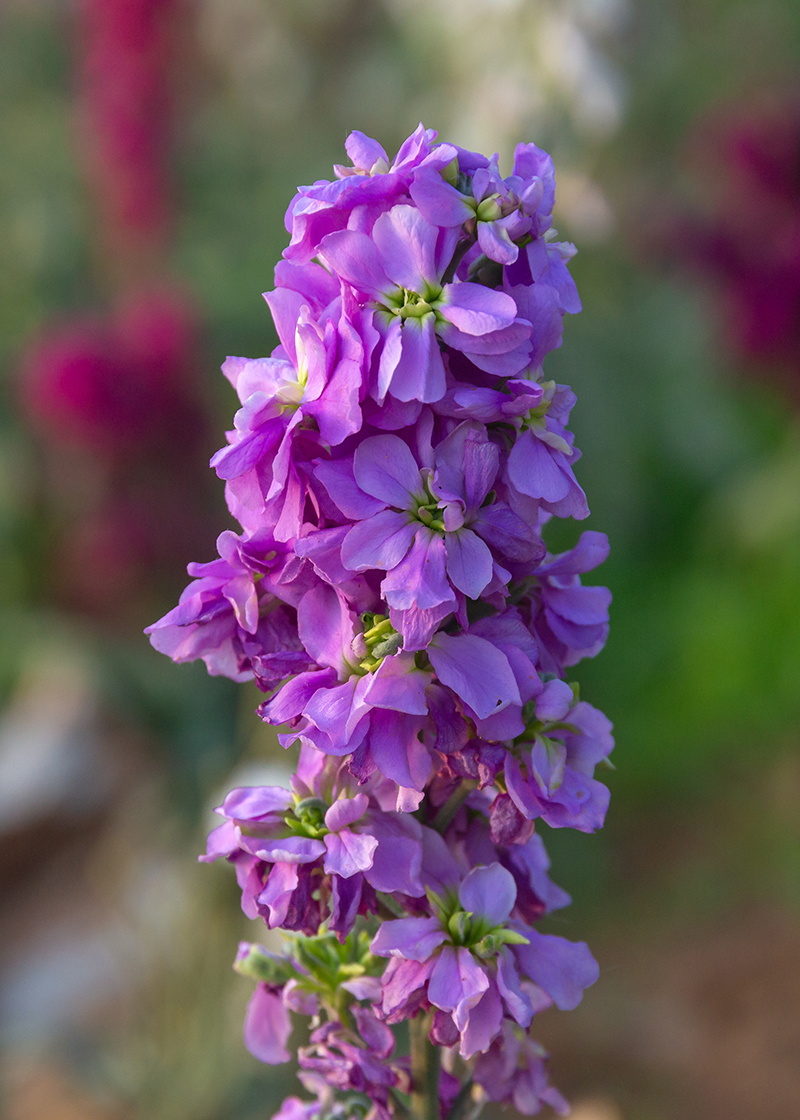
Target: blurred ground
x: 674, y: 126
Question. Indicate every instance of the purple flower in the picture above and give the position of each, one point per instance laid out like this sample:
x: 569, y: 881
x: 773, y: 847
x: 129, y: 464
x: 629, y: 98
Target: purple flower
x: 568, y: 620
x: 228, y: 618
x: 277, y: 838
x: 431, y: 528
x: 400, y: 269
x: 498, y: 211
x: 549, y: 772
x: 514, y: 1071
x: 370, y: 186
x: 370, y: 702
x: 307, y: 381
x: 468, y: 958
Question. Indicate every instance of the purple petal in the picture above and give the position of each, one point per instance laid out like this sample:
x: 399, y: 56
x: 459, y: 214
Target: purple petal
x: 489, y: 892
x: 562, y: 968
x: 380, y: 541
x: 267, y: 1027
x: 354, y: 256
x: 399, y: 685
x: 519, y: 789
x: 222, y: 841
x: 348, y: 853
x: 289, y: 702
x: 496, y: 244
x: 396, y: 749
x: 507, y: 340
x: 419, y: 373
x: 469, y: 562
x: 364, y: 152
x: 415, y: 939
x: 418, y: 626
x: 240, y: 457
x: 345, y: 901
x: 338, y: 479
x: 440, y: 871
x: 457, y: 983
x: 396, y: 866
x: 483, y: 1023
x: 419, y: 579
x: 254, y: 803
x: 533, y: 470
x: 335, y: 711
x: 384, y: 467
x: 476, y: 310
x: 325, y: 626
x: 476, y: 671
x: 277, y: 894
x: 590, y: 551
x: 285, y: 305
x: 511, y: 990
x: 407, y: 244
x: 290, y: 849
x: 439, y: 202
x: 554, y: 701
x: 346, y: 811
x: 337, y: 410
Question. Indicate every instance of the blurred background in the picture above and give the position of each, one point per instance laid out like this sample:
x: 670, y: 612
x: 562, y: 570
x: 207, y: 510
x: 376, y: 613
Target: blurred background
x: 149, y: 150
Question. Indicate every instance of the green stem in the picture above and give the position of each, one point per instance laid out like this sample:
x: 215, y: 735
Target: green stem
x: 424, y: 1071
x: 461, y: 249
x: 452, y: 805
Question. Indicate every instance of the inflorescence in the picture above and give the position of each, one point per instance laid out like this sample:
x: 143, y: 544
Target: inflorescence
x: 392, y: 467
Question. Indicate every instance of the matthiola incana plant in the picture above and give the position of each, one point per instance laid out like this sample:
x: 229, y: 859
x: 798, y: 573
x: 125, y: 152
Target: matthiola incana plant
x: 393, y: 467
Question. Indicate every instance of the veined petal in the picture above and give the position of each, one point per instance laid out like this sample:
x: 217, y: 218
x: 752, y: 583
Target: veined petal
x: 407, y: 244
x: 354, y: 256
x: 254, y: 803
x: 267, y: 1027
x: 380, y: 541
x: 469, y: 562
x: 384, y: 467
x: 476, y: 310
x: 415, y: 939
x: 476, y: 671
x: 399, y: 685
x: 489, y: 892
x: 419, y: 374
x: 345, y: 811
x: 562, y: 968
x: 348, y: 853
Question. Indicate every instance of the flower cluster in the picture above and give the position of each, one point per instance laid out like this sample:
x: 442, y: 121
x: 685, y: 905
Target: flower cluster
x: 392, y: 467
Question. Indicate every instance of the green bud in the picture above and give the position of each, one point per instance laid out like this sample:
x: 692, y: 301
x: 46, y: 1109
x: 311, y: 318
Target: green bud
x: 450, y: 173
x: 255, y: 962
x: 391, y: 644
x: 489, y: 210
x: 459, y: 926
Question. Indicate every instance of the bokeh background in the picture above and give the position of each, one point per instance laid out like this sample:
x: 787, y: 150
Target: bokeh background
x: 148, y: 151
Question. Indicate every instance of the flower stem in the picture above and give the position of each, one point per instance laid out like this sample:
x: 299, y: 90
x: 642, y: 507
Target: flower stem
x: 424, y: 1071
x: 452, y: 805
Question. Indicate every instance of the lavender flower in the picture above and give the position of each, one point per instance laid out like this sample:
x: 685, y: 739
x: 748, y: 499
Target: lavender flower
x: 393, y: 467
